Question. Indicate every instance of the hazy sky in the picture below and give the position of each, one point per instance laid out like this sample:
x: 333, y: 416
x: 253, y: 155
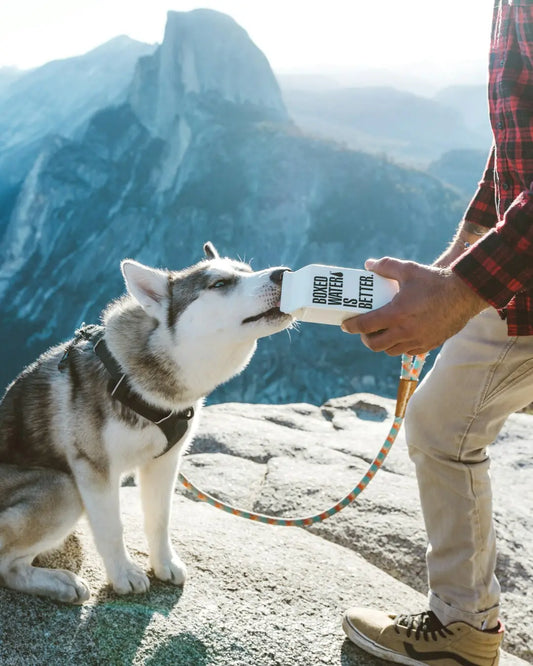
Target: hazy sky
x: 294, y: 34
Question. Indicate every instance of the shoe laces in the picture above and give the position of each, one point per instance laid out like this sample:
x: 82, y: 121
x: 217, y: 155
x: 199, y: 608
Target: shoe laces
x: 423, y: 624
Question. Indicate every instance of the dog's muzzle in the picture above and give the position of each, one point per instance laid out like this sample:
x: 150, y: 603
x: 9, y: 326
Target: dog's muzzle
x: 276, y: 276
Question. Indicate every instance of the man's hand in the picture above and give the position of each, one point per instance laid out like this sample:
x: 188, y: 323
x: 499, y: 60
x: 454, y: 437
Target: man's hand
x: 432, y: 305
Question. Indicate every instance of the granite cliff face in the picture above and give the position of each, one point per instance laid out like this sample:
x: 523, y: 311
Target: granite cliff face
x: 200, y: 147
x: 204, y: 55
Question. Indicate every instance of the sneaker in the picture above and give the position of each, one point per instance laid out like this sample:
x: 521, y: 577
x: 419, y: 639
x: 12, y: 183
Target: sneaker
x: 422, y: 640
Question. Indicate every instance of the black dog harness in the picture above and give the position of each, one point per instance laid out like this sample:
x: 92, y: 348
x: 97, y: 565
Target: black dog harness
x: 173, y: 424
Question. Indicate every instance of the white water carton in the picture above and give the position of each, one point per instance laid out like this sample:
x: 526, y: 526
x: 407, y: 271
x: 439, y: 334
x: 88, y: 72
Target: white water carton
x: 331, y: 294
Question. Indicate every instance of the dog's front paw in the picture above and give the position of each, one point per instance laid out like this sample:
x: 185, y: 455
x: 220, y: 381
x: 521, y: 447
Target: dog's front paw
x: 130, y: 580
x: 172, y: 571
x: 71, y: 589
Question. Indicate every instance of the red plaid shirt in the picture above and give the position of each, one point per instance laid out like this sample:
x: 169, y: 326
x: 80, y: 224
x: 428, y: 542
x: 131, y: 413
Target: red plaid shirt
x: 499, y: 267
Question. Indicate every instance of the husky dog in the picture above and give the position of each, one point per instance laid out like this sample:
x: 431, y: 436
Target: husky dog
x: 119, y: 397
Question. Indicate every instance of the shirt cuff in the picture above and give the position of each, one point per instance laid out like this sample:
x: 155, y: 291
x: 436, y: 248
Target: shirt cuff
x: 482, y: 208
x: 500, y: 264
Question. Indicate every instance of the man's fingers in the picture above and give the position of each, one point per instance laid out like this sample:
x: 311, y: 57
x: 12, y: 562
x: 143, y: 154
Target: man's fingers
x: 382, y: 341
x: 397, y: 350
x: 363, y: 324
x: 378, y: 342
x: 371, y: 322
x: 374, y: 342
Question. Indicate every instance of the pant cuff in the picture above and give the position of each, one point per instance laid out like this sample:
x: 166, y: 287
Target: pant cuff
x: 486, y: 619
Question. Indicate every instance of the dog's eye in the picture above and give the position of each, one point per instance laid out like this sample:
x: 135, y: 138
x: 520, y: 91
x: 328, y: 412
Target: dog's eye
x: 219, y: 284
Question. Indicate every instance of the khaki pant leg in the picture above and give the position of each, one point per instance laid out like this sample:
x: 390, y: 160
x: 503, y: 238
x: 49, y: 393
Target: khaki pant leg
x: 479, y: 378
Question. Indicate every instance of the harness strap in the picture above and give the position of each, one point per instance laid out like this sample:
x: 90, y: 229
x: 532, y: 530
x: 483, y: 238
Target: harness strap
x: 173, y: 424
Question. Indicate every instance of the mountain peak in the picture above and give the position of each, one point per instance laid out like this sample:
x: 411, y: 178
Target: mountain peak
x: 119, y: 43
x: 204, y: 53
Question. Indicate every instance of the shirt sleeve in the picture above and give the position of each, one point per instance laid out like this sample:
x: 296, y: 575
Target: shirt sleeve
x: 482, y: 208
x: 500, y: 264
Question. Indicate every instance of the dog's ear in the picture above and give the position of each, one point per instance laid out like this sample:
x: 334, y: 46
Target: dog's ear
x: 148, y: 286
x: 211, y: 251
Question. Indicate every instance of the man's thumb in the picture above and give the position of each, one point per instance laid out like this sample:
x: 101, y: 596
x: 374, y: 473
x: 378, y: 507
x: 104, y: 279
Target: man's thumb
x: 386, y: 267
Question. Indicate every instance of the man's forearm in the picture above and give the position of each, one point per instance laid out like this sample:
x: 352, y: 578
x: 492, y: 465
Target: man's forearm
x: 467, y: 234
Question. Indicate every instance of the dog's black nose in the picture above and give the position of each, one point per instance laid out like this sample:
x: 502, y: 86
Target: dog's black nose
x: 277, y: 275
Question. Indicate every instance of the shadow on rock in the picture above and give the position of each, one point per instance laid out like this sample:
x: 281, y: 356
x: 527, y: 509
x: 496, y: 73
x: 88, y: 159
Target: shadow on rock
x: 110, y: 631
x: 118, y: 624
x: 351, y: 655
x: 183, y: 649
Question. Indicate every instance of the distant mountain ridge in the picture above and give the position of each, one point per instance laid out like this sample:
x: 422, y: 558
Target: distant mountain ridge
x: 472, y: 103
x: 200, y: 147
x: 462, y: 169
x: 7, y: 76
x: 408, y: 127
x: 58, y: 98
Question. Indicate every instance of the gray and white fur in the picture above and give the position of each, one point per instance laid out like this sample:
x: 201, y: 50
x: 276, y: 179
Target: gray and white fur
x: 65, y: 442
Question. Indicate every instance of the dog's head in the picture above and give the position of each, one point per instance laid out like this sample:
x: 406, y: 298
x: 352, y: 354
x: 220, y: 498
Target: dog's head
x: 211, y: 313
x: 217, y: 294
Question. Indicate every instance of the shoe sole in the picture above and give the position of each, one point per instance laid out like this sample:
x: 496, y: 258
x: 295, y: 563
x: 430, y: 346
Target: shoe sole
x: 373, y: 648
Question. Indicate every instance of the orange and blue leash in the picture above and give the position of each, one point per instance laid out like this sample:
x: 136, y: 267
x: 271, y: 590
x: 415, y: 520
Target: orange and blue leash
x: 410, y: 373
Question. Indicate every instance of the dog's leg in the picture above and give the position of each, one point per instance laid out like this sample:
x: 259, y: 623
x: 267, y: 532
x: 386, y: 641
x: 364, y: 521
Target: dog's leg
x: 38, y: 510
x: 157, y: 480
x: 101, y: 500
